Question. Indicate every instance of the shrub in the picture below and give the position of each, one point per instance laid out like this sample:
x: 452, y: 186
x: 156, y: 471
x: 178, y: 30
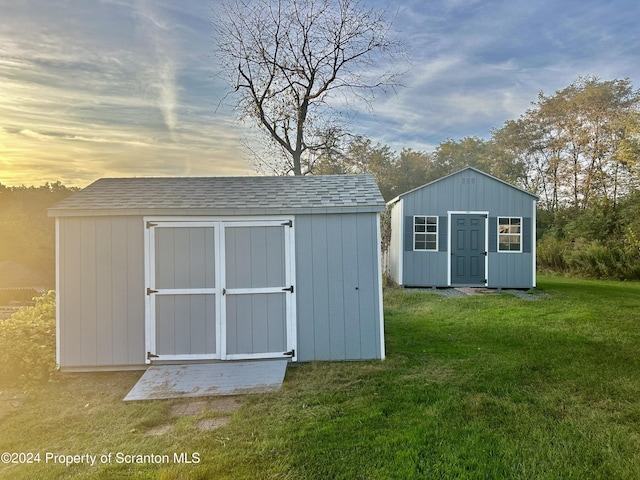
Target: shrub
x: 593, y: 259
x: 28, y: 343
x: 550, y: 253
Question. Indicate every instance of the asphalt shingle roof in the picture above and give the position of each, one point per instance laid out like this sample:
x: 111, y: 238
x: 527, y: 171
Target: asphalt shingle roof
x: 224, y: 195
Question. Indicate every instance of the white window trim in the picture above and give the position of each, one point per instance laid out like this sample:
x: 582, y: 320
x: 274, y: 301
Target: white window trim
x: 436, y: 233
x: 511, y: 234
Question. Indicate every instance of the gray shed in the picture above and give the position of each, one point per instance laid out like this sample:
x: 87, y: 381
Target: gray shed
x: 222, y: 268
x: 466, y: 229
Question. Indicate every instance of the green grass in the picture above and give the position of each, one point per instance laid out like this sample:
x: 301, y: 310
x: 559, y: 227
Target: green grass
x: 476, y: 387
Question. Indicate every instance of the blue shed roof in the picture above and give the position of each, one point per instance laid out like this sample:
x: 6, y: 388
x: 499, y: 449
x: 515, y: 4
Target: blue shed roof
x: 394, y: 200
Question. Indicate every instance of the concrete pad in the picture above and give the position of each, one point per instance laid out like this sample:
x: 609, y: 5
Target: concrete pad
x: 209, y: 379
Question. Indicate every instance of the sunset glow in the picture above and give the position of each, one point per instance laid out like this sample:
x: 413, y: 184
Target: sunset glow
x: 119, y: 88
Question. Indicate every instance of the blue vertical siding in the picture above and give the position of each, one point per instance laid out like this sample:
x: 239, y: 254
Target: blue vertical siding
x: 337, y: 296
x: 101, y: 274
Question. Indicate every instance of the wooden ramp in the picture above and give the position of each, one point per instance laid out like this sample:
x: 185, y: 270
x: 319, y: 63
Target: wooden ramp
x: 209, y: 379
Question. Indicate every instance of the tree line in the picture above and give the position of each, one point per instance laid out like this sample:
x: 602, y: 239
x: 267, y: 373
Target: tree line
x: 578, y: 150
x: 27, y: 234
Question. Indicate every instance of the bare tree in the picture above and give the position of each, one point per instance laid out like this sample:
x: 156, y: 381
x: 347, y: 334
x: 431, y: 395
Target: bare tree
x: 296, y: 65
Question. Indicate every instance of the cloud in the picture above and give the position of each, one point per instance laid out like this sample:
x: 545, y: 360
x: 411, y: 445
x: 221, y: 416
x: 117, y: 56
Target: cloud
x: 31, y: 134
x: 120, y: 87
x: 159, y: 34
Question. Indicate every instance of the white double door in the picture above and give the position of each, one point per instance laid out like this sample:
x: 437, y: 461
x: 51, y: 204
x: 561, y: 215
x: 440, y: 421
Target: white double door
x: 219, y: 289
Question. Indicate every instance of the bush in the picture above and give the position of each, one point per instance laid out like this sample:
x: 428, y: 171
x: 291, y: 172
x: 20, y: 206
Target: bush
x: 550, y: 253
x: 602, y: 241
x: 589, y: 258
x: 594, y: 259
x: 28, y: 343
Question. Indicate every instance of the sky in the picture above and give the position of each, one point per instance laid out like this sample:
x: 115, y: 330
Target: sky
x: 123, y: 88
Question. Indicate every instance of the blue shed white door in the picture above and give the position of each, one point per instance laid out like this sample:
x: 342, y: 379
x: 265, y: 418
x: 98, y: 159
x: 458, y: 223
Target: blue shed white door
x: 219, y: 289
x: 468, y: 249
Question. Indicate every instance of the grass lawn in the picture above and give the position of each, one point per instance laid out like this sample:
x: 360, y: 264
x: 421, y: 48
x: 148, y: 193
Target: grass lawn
x: 485, y: 387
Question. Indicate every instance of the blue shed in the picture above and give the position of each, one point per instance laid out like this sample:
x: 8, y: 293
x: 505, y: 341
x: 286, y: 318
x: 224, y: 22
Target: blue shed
x: 156, y: 270
x: 466, y: 229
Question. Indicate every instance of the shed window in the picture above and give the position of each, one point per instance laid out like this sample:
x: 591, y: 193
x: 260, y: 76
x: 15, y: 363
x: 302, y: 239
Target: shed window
x: 509, y: 234
x: 425, y: 233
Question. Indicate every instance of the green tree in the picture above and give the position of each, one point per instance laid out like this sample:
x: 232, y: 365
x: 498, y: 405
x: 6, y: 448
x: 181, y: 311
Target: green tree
x: 579, y: 146
x: 394, y: 173
x: 485, y: 155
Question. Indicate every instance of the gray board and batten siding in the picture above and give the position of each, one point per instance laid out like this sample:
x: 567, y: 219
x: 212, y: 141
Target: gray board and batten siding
x: 203, y: 269
x: 465, y: 210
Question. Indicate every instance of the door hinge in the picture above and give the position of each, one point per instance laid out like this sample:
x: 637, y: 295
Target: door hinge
x: 290, y: 353
x: 290, y: 289
x: 149, y: 224
x: 287, y: 224
x: 224, y: 291
x: 151, y: 355
x: 149, y: 291
x: 486, y: 253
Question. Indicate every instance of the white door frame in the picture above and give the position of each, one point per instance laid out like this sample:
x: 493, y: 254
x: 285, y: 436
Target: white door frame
x: 486, y: 242
x: 219, y: 225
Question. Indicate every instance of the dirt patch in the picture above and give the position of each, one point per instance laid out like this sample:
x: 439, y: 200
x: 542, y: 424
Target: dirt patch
x: 191, y: 408
x: 10, y: 401
x: 212, y: 423
x: 159, y: 430
x: 475, y: 291
x: 226, y: 404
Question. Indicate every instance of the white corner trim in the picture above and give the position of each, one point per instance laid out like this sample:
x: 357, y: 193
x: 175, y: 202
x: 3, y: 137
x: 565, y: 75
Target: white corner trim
x: 380, y: 303
x: 58, y: 291
x: 401, y: 245
x: 533, y: 244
